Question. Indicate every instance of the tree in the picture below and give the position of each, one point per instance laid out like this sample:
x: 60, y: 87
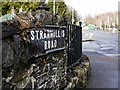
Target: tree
x: 90, y: 20
x: 6, y: 6
x: 60, y: 8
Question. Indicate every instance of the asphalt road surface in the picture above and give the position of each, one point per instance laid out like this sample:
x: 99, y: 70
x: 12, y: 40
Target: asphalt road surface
x: 103, y: 52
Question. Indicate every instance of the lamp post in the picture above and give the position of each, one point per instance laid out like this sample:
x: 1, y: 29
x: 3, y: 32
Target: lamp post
x: 73, y: 16
x: 54, y: 7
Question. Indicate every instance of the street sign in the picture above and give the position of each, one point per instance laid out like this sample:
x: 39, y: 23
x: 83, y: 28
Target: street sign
x: 47, y: 39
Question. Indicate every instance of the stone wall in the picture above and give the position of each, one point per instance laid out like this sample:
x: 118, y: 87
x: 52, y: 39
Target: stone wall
x: 50, y: 70
x: 47, y: 71
x: 20, y: 70
x: 79, y: 74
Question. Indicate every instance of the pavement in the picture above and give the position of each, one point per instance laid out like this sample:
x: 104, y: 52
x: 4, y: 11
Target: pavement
x: 103, y: 52
x: 104, y: 71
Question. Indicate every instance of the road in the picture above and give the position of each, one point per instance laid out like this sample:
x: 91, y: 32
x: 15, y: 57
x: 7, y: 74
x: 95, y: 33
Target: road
x: 103, y: 52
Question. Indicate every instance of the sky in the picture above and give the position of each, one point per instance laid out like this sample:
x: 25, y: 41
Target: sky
x: 93, y: 7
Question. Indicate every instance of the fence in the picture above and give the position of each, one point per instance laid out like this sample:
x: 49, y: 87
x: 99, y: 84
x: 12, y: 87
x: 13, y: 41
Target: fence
x: 74, y: 43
